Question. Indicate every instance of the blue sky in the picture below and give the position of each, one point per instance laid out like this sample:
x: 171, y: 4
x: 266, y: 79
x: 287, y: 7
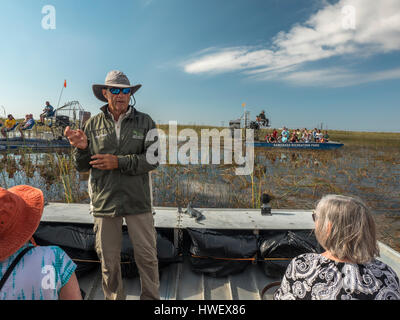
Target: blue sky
x: 198, y: 61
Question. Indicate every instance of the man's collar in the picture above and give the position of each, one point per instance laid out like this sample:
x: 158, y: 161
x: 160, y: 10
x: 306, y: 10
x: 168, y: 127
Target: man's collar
x: 123, y: 115
x: 129, y: 113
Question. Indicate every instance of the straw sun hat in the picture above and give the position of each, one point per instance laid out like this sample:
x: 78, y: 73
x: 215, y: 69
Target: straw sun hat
x: 20, y: 212
x: 114, y: 78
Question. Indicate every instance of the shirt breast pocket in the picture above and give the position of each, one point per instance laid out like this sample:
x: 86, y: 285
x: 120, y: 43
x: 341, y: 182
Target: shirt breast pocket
x: 135, y: 141
x: 102, y: 141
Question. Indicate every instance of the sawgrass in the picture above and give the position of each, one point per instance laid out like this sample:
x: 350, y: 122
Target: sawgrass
x: 54, y: 169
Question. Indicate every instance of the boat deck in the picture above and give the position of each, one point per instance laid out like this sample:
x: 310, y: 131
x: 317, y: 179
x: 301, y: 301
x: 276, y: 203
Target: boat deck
x: 215, y: 218
x: 178, y: 281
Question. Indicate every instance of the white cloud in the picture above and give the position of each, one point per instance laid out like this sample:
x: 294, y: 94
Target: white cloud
x: 349, y: 28
x: 228, y: 60
x: 338, y: 77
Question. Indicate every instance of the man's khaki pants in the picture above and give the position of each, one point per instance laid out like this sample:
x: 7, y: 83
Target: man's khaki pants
x: 108, y: 247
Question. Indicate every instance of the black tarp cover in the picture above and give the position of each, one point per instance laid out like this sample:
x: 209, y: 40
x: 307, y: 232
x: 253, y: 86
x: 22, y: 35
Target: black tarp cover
x: 78, y: 241
x: 215, y: 252
x: 287, y: 245
x: 219, y: 253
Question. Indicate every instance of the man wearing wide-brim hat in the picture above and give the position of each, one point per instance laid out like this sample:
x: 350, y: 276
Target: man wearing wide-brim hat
x: 113, y: 148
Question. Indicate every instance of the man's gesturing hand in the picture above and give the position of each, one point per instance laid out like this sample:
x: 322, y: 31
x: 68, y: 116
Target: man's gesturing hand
x: 77, y: 138
x: 104, y: 161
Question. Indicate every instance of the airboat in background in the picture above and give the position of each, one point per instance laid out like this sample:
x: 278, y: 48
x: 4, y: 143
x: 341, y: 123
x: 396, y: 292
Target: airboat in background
x: 70, y: 114
x: 299, y: 145
x: 51, y: 134
x: 245, y: 122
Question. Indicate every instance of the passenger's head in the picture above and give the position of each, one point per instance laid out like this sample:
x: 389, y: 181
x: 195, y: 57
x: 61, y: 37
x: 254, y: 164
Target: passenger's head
x: 20, y: 212
x: 47, y: 103
x: 344, y: 226
x: 10, y: 116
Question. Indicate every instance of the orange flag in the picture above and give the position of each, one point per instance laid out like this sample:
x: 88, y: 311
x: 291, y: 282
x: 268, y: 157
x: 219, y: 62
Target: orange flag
x: 65, y: 83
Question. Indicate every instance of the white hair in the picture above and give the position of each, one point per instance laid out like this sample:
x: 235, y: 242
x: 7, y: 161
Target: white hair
x: 345, y: 227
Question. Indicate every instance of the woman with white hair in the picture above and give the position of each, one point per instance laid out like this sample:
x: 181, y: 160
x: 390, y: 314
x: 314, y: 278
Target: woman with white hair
x: 348, y: 269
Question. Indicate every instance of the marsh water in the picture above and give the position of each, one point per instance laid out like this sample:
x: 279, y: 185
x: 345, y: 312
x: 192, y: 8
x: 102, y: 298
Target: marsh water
x: 293, y: 179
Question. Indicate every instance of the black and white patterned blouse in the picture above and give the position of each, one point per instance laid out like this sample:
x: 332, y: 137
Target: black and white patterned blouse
x: 312, y: 276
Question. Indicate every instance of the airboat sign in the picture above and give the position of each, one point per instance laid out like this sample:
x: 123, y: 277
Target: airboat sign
x: 300, y: 145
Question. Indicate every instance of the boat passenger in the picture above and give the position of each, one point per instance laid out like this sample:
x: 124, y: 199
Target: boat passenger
x: 326, y: 136
x: 348, y: 269
x: 285, y: 135
x: 303, y: 135
x: 315, y: 135
x: 25, y: 120
x: 275, y: 135
x: 48, y: 112
x: 43, y: 272
x: 311, y: 136
x: 319, y: 136
x: 298, y: 134
x: 28, y: 124
x: 9, y: 125
x: 293, y: 137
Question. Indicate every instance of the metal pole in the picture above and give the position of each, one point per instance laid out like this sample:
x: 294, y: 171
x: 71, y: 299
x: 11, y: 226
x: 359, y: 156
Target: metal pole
x: 4, y: 111
x: 60, y: 97
x: 245, y: 123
